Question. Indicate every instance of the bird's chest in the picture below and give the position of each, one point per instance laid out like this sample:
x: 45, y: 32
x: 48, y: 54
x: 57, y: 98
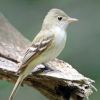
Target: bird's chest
x: 60, y: 38
x: 57, y: 46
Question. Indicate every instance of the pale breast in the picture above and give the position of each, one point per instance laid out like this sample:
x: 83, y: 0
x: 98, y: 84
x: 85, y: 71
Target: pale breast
x: 60, y: 39
x: 57, y: 47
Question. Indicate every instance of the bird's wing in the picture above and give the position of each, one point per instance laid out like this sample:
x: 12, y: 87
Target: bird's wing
x: 39, y: 45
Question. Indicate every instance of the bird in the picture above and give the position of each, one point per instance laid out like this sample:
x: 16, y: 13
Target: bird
x: 46, y: 46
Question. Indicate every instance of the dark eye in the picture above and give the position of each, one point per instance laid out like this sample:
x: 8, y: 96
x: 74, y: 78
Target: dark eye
x: 59, y: 18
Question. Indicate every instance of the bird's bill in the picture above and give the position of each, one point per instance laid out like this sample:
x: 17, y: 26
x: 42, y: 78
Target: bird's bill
x: 70, y: 20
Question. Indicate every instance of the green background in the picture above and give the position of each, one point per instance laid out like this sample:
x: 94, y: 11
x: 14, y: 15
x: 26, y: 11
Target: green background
x: 83, y: 45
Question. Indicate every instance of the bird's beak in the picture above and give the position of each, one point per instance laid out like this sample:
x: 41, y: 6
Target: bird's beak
x: 70, y: 20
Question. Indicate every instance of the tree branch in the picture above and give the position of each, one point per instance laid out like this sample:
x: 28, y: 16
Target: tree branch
x: 57, y: 80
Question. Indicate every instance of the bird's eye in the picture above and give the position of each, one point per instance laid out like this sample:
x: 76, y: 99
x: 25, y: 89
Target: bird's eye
x: 59, y: 18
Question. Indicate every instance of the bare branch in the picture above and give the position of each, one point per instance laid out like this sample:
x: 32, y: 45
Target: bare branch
x: 56, y: 79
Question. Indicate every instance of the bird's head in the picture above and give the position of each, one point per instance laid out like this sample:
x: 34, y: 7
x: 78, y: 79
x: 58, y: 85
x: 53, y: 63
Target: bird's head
x: 57, y: 18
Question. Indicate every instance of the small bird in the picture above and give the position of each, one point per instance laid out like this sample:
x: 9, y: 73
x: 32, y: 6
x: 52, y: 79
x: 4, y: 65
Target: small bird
x: 46, y: 46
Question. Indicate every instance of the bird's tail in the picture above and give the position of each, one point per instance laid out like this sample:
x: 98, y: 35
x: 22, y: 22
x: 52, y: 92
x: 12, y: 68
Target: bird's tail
x: 18, y: 83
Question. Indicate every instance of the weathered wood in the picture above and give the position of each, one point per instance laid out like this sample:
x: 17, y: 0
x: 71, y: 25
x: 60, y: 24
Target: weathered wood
x: 56, y: 79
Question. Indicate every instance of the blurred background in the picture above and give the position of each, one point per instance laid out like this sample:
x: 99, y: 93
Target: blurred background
x: 83, y: 45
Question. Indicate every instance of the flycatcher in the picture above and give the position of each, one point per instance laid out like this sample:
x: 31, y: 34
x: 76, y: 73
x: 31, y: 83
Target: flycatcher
x: 47, y: 45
